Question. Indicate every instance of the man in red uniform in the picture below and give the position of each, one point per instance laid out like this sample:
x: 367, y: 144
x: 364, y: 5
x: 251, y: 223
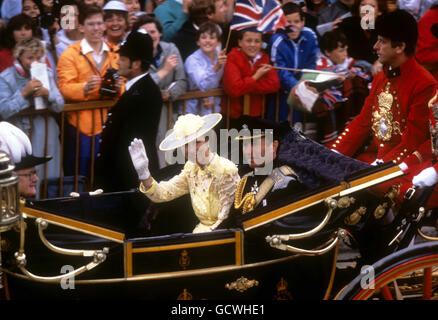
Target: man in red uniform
x: 429, y: 176
x: 421, y: 167
x: 395, y: 113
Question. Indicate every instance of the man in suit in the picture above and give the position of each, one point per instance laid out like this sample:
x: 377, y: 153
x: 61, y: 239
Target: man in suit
x: 135, y: 115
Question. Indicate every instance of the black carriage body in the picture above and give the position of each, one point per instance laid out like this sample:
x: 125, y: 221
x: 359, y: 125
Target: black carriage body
x: 234, y: 263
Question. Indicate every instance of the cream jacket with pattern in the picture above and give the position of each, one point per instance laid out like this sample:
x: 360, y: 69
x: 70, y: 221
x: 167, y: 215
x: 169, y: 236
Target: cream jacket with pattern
x: 211, y: 190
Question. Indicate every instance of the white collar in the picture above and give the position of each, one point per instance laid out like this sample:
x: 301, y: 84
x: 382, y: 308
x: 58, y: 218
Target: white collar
x: 86, y: 48
x: 129, y: 83
x: 257, y: 57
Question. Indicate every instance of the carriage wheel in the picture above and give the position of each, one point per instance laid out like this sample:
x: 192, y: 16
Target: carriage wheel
x: 409, y: 274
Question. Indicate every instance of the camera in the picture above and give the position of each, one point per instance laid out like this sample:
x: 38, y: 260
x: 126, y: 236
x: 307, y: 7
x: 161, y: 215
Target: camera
x: 108, y: 87
x: 47, y: 20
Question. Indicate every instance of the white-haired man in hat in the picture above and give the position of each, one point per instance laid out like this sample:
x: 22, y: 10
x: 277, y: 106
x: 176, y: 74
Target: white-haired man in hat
x: 210, y: 180
x: 17, y: 145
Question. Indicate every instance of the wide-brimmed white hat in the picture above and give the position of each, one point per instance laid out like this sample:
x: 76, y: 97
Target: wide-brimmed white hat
x: 187, y: 128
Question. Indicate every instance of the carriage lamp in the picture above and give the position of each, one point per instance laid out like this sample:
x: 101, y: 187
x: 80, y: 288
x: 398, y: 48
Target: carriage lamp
x: 9, y: 200
x: 9, y: 197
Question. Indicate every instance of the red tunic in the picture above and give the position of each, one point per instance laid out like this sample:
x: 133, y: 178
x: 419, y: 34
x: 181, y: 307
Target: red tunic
x: 238, y: 81
x: 427, y: 45
x: 395, y: 113
x: 423, y: 158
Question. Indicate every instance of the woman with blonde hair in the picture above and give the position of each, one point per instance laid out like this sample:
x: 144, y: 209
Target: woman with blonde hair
x: 18, y: 90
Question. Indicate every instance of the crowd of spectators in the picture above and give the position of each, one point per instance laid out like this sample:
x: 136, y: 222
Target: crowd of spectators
x: 78, y: 41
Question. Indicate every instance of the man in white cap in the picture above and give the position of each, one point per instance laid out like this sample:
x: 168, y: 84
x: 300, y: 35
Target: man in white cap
x: 210, y: 180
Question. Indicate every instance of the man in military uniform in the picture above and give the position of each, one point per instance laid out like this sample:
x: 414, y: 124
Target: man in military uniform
x: 260, y: 147
x: 395, y: 112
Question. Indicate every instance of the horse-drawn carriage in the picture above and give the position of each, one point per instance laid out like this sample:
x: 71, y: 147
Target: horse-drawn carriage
x: 114, y: 245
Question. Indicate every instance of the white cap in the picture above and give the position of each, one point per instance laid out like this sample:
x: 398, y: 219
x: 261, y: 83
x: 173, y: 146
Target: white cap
x: 115, y: 5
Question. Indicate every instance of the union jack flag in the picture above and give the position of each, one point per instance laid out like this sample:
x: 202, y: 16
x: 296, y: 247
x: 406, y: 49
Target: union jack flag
x: 361, y: 74
x: 331, y: 97
x: 266, y: 15
x: 353, y: 70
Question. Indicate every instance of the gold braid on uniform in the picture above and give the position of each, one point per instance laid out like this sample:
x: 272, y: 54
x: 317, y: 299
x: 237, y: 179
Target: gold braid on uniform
x: 251, y: 199
x: 248, y: 202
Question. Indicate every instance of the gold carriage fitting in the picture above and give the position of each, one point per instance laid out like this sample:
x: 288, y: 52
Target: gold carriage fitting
x: 384, y: 126
x: 167, y: 265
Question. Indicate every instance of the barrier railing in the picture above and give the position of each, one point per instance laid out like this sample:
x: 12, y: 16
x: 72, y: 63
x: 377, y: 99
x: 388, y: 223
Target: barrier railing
x: 106, y: 105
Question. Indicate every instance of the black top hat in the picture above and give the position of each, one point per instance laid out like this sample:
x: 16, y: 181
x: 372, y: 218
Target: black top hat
x: 258, y: 127
x: 138, y: 46
x: 30, y: 161
x: 399, y: 26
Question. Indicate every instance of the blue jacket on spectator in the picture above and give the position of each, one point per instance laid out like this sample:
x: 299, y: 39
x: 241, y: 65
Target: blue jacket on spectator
x: 287, y: 53
x: 172, y: 18
x: 201, y: 76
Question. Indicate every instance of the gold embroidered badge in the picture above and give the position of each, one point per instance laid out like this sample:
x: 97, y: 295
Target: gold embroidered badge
x: 384, y: 126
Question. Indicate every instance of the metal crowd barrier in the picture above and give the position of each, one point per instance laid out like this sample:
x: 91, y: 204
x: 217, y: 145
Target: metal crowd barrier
x: 107, y: 104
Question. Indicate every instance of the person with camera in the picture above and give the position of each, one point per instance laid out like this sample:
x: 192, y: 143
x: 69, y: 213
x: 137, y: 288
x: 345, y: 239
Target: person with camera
x: 86, y: 72
x: 135, y: 115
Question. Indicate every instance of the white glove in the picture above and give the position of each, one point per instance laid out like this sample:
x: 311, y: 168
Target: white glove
x: 426, y: 178
x: 139, y: 159
x: 14, y: 142
x: 377, y: 162
x: 91, y: 193
x: 403, y: 166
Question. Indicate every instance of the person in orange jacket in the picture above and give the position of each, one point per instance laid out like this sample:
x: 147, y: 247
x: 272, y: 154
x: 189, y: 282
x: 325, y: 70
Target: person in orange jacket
x: 82, y: 70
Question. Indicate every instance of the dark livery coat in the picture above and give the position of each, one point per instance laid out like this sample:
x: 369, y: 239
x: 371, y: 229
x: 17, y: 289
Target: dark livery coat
x: 135, y: 115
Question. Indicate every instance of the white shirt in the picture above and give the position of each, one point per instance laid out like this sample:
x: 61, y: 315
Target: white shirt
x: 134, y: 80
x: 97, y: 56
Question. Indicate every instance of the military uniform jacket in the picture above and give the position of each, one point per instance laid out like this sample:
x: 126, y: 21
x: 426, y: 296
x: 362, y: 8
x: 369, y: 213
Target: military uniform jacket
x: 135, y: 115
x: 395, y: 113
x: 263, y: 190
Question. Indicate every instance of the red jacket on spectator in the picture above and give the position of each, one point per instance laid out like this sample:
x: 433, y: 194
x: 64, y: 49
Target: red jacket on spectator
x: 6, y: 59
x: 238, y: 81
x: 427, y: 45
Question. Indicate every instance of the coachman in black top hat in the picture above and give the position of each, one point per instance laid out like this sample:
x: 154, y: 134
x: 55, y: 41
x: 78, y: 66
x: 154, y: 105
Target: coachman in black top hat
x: 135, y: 115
